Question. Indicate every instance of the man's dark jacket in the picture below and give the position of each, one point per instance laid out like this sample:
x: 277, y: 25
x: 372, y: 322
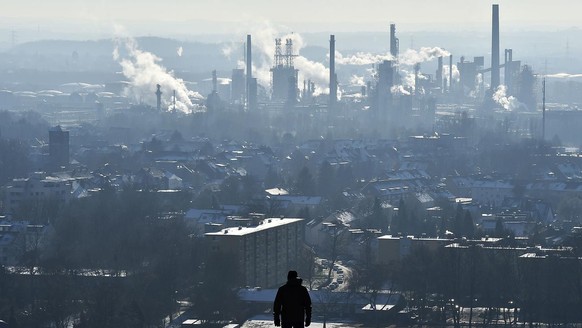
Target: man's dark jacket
x: 292, y: 302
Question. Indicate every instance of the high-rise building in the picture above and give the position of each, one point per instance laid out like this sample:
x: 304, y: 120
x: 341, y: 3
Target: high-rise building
x: 261, y: 254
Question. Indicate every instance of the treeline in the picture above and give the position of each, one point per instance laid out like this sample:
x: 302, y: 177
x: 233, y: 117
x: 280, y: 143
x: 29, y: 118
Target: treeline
x: 110, y: 261
x: 510, y: 287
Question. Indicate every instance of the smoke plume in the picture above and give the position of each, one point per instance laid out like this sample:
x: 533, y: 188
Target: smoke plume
x: 399, y: 89
x: 361, y: 58
x: 229, y: 48
x: 143, y: 71
x: 509, y: 103
x: 456, y: 74
x: 357, y: 80
x: 564, y: 76
x: 411, y: 57
x: 263, y: 41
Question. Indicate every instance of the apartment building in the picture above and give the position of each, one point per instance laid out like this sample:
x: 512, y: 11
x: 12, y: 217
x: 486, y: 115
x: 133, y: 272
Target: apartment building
x: 36, y: 188
x: 263, y: 252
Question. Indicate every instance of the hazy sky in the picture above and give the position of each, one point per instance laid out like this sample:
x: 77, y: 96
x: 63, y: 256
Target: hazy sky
x: 301, y: 15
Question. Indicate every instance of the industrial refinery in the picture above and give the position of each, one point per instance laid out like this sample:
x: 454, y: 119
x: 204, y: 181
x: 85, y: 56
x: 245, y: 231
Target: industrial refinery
x: 402, y: 164
x: 392, y: 92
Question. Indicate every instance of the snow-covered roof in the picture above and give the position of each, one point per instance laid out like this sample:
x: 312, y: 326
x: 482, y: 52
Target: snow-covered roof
x: 263, y: 225
x: 277, y: 191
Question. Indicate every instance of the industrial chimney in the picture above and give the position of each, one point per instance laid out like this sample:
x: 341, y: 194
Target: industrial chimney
x: 439, y: 73
x: 249, y: 71
x: 450, y: 73
x: 159, y: 98
x: 394, y: 42
x: 332, y: 75
x: 214, y: 82
x: 495, y: 48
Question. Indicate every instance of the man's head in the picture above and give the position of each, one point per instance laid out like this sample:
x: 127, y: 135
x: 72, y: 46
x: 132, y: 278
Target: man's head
x: 292, y: 275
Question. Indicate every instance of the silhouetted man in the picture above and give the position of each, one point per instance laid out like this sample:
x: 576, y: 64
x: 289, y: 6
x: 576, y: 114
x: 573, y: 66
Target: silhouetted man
x: 292, y: 306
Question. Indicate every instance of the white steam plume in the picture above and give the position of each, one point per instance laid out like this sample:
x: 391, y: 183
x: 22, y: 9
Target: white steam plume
x: 407, y: 78
x: 263, y: 41
x: 478, y: 83
x: 361, y: 58
x: 411, y: 57
x: 564, y: 76
x: 399, y: 89
x: 229, y: 48
x: 143, y: 71
x: 357, y: 80
x: 456, y: 74
x: 509, y: 103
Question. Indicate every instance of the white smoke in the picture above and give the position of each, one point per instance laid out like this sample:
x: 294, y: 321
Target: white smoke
x: 407, y: 78
x: 406, y: 60
x: 314, y: 71
x: 180, y: 51
x: 361, y: 58
x: 357, y: 80
x: 564, y: 76
x: 229, y: 48
x: 456, y: 74
x: 399, y: 89
x: 478, y: 84
x: 479, y: 80
x: 411, y: 57
x: 143, y: 71
x: 509, y: 103
x: 263, y: 41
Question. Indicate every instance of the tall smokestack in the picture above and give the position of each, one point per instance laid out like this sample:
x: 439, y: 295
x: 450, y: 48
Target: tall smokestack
x: 249, y: 70
x: 394, y: 43
x: 495, y: 48
x: 439, y: 73
x: 416, y: 70
x: 159, y: 97
x: 214, y: 82
x: 332, y: 76
x: 543, y: 110
x: 507, y: 69
x: 451, y: 73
